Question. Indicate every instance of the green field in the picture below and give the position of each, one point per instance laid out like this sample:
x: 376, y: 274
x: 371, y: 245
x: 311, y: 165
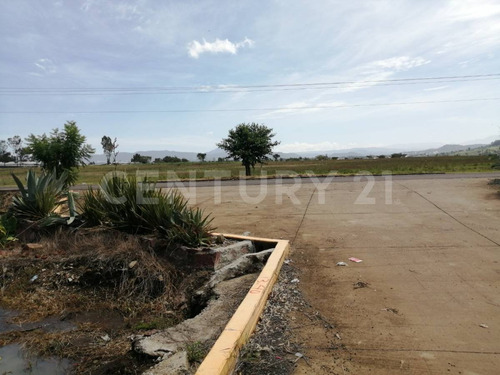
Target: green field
x: 207, y: 170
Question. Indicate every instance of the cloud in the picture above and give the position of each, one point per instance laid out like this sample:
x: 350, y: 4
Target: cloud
x: 400, y: 63
x: 195, y: 48
x: 436, y: 88
x: 47, y: 66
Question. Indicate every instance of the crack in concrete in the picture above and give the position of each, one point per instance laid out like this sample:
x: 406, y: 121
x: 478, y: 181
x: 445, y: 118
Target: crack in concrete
x: 450, y: 215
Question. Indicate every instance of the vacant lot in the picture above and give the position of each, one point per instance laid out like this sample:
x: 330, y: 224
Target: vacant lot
x: 171, y: 171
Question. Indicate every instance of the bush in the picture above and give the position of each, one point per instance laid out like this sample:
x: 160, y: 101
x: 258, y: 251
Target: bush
x: 136, y: 207
x: 40, y: 199
x: 8, y: 225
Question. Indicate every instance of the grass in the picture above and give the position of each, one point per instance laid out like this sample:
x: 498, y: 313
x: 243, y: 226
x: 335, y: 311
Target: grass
x: 196, y: 352
x: 173, y: 171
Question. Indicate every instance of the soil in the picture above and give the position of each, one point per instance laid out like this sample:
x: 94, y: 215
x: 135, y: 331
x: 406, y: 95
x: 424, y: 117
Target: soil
x: 274, y: 348
x: 81, y: 295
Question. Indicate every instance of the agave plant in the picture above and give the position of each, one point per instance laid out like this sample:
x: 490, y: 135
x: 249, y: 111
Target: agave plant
x: 137, y: 207
x: 41, y: 198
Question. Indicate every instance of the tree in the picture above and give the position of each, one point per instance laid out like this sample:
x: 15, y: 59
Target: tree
x: 16, y: 144
x: 322, y: 157
x: 201, y: 157
x: 276, y: 157
x: 398, y: 155
x: 138, y: 158
x: 109, y: 147
x: 5, y: 155
x: 61, y: 151
x: 251, y: 143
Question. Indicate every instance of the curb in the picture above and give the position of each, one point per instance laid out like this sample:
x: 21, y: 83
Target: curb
x: 222, y: 358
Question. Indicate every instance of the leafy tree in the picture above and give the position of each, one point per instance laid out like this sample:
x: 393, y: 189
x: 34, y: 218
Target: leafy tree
x: 5, y: 155
x: 276, y: 157
x: 322, y: 157
x: 16, y: 144
x: 398, y: 155
x: 201, y: 157
x: 173, y: 159
x: 251, y: 143
x: 138, y: 158
x: 109, y: 147
x: 61, y: 151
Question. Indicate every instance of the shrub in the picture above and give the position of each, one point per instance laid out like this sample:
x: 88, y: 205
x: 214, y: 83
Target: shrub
x: 7, y: 229
x: 136, y: 207
x: 40, y: 199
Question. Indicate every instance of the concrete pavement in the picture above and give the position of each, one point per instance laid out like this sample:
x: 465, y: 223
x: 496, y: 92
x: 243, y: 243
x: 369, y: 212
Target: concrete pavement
x: 431, y: 253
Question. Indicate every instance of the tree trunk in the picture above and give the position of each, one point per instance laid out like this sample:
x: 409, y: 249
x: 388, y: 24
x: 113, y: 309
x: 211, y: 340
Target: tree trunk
x: 248, y: 171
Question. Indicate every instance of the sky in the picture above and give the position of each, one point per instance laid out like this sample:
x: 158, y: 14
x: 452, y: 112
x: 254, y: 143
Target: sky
x: 177, y: 75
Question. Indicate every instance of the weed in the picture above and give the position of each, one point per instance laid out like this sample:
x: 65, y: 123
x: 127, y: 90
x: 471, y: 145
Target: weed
x: 196, y: 352
x: 8, y: 225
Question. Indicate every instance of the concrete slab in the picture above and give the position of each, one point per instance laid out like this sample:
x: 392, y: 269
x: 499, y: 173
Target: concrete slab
x: 431, y: 255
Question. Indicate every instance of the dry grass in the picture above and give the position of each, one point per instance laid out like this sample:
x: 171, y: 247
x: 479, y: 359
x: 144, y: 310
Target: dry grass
x: 105, y: 283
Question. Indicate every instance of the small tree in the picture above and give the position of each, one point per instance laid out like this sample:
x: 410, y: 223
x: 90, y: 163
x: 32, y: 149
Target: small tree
x: 138, y: 158
x: 109, y: 147
x: 251, y: 143
x: 201, y: 157
x: 61, y: 151
x: 5, y: 155
x: 322, y: 157
x: 276, y: 157
x: 398, y: 155
x: 16, y: 145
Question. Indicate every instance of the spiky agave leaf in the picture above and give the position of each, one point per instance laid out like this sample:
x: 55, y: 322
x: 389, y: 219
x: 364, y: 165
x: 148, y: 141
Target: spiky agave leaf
x: 40, y: 198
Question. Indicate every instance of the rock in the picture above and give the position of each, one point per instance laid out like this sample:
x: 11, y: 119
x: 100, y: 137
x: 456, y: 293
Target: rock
x: 246, y: 264
x: 216, y: 258
x: 176, y: 364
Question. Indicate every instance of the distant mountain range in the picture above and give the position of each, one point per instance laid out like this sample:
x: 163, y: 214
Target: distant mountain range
x: 214, y: 155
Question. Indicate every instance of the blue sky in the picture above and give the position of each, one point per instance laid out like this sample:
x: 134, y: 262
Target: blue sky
x: 210, y: 47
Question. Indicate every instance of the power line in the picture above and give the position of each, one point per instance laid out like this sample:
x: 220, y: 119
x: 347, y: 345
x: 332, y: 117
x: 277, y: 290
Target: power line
x: 243, y: 88
x: 226, y: 91
x: 254, y: 109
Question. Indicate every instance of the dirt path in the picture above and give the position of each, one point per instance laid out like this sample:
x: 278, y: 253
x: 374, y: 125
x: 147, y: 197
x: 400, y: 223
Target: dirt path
x: 430, y: 251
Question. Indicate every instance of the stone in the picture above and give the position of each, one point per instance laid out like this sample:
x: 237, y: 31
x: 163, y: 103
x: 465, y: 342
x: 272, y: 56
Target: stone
x: 176, y: 364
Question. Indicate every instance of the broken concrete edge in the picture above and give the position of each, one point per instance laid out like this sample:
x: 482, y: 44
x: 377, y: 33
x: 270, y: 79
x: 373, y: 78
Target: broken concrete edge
x: 222, y: 358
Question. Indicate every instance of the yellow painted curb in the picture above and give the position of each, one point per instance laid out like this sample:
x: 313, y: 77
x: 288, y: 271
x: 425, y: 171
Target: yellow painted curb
x: 222, y: 358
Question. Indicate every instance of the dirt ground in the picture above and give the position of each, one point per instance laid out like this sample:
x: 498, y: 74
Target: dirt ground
x: 424, y: 300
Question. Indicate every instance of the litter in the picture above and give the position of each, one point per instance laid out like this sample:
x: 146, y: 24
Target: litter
x: 299, y: 356
x: 482, y: 325
x: 341, y: 264
x: 295, y: 281
x: 106, y: 338
x: 33, y: 279
x: 355, y: 260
